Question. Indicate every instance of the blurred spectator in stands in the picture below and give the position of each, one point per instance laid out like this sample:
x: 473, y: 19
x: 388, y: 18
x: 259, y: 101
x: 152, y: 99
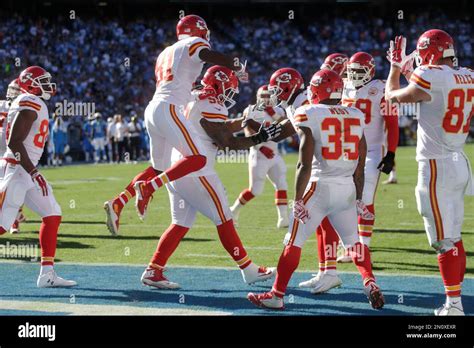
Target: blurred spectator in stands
x: 99, y: 129
x: 87, y: 140
x: 134, y: 135
x: 121, y: 137
x: 112, y: 146
x: 59, y: 139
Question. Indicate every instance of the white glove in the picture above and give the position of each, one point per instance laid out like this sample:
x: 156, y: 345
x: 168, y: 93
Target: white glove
x: 396, y: 54
x: 39, y: 181
x: 243, y: 75
x: 408, y: 67
x: 300, y: 211
x: 363, y: 212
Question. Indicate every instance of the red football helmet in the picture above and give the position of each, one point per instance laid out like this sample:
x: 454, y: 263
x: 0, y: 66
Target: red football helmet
x: 336, y: 62
x: 223, y: 82
x: 192, y: 25
x: 13, y: 90
x: 263, y: 96
x: 360, y: 69
x: 325, y: 84
x: 433, y: 45
x: 284, y: 83
x: 35, y: 80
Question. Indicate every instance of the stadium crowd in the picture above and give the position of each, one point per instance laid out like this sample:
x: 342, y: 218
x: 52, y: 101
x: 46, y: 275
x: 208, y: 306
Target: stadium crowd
x: 111, y: 63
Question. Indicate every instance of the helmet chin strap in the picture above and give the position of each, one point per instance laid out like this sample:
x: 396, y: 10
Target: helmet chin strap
x: 260, y: 105
x: 418, y: 60
x: 292, y: 92
x: 274, y: 97
x: 431, y: 59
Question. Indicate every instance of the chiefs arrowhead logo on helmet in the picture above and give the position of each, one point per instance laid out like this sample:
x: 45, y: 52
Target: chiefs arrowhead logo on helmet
x: 317, y: 81
x: 424, y: 43
x: 25, y: 77
x: 200, y: 24
x: 284, y: 78
x: 339, y: 60
x: 221, y: 76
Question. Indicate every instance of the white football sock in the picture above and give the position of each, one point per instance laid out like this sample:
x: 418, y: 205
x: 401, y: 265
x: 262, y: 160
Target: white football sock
x: 282, y: 211
x: 332, y: 272
x: 393, y: 175
x: 46, y: 269
x: 236, y: 207
x: 455, y: 301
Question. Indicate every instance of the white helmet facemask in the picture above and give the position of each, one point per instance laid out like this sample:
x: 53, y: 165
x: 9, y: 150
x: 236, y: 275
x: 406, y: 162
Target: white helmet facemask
x: 44, y: 83
x: 356, y: 77
x: 227, y: 97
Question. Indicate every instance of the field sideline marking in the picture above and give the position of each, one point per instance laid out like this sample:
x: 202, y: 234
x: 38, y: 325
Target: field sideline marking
x: 103, y: 309
x: 105, y: 264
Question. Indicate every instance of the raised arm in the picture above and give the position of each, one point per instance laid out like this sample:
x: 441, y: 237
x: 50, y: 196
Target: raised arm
x: 393, y: 92
x: 216, y: 58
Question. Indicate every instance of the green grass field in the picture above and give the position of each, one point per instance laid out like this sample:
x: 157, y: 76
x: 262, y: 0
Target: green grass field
x: 399, y: 244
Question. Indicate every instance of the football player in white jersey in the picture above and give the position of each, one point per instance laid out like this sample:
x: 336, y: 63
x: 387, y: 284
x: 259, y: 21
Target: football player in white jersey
x: 328, y: 240
x: 332, y: 148
x: 13, y: 90
x: 202, y: 191
x: 445, y: 95
x: 20, y: 181
x: 177, y: 68
x: 367, y: 94
x: 288, y: 89
x: 264, y: 159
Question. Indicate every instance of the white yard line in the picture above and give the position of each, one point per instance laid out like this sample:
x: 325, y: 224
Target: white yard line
x: 211, y: 256
x: 103, y: 309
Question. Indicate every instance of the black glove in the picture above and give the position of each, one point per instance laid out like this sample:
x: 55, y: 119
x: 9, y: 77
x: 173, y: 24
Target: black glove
x: 260, y: 137
x: 387, y: 163
x: 267, y: 133
x: 273, y: 130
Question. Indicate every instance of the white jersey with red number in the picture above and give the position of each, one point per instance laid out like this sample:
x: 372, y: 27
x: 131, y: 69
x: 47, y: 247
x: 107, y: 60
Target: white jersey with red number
x: 369, y: 99
x: 176, y: 70
x: 337, y: 131
x: 265, y: 116
x: 36, y: 138
x: 4, y: 106
x: 211, y: 110
x: 443, y: 122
